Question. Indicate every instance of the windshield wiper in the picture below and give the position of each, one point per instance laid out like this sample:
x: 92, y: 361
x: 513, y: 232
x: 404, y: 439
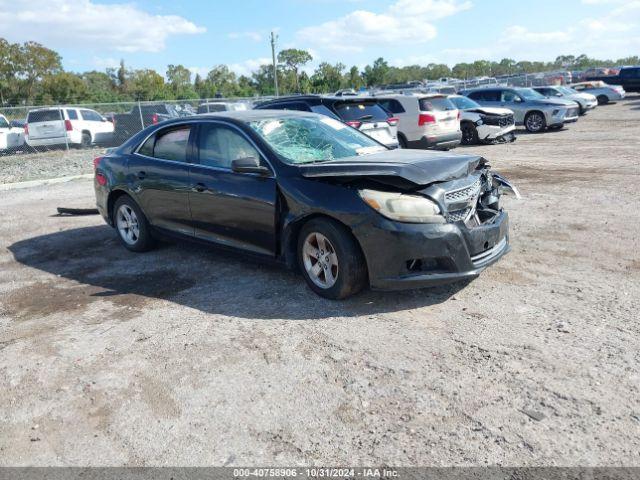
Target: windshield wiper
x: 365, y: 117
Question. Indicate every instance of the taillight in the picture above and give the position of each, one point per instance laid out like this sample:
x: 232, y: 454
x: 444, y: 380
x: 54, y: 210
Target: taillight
x: 354, y: 123
x: 100, y: 178
x: 154, y: 118
x: 26, y: 129
x: 393, y: 121
x: 424, y: 118
x: 67, y: 125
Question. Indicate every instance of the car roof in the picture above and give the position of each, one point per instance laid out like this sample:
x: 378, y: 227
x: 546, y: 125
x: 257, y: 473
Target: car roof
x: 250, y: 115
x: 335, y: 98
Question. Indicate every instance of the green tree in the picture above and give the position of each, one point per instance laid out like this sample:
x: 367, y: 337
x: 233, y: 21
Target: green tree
x: 377, y: 74
x: 35, y: 62
x: 146, y: 84
x: 63, y: 88
x: 354, y: 79
x: 293, y: 59
x: 179, y: 78
x: 100, y: 87
x: 327, y: 77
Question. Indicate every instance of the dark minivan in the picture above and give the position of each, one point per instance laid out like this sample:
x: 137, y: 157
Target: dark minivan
x: 310, y: 192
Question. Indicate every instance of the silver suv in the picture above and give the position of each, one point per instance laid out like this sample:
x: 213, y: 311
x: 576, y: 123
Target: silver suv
x: 531, y: 109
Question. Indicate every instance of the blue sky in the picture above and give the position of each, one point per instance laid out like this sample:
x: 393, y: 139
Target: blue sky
x: 95, y: 34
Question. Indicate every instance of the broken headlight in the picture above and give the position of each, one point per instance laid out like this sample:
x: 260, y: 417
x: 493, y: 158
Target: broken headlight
x: 403, y: 208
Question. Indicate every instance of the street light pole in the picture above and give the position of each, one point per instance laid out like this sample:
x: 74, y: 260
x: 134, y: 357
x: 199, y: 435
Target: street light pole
x: 275, y: 66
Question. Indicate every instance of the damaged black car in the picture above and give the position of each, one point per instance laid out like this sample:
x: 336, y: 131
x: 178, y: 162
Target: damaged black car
x: 310, y: 192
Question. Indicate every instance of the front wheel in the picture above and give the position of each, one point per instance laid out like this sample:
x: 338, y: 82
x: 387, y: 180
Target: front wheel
x: 330, y: 259
x: 469, y: 134
x: 133, y: 228
x: 534, y: 122
x: 602, y: 99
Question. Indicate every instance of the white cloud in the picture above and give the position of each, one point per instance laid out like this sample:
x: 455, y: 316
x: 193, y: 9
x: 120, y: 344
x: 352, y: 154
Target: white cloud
x: 249, y: 66
x: 82, y: 23
x: 404, y: 22
x: 520, y: 34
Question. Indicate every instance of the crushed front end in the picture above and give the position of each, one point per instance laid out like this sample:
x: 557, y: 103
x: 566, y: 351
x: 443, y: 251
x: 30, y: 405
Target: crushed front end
x: 473, y: 235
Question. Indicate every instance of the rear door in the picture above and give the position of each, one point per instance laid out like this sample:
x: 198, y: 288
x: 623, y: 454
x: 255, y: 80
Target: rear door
x: 229, y: 208
x: 45, y: 124
x: 370, y: 118
x: 159, y: 174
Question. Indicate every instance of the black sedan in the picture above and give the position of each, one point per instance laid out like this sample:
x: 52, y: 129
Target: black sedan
x: 310, y: 192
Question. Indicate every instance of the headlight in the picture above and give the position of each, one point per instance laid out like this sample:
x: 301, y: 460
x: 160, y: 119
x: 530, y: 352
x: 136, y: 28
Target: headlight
x: 403, y: 208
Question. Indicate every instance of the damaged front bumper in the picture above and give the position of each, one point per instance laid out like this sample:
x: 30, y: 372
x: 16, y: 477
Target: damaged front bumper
x: 403, y: 255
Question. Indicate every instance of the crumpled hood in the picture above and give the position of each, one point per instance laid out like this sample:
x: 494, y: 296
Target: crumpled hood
x: 490, y: 110
x: 419, y: 167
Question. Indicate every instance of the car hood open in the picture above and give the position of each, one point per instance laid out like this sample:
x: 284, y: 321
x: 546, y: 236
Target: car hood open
x: 398, y: 167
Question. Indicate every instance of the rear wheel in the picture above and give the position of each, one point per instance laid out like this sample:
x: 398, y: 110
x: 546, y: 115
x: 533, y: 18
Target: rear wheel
x: 469, y: 134
x: 330, y: 259
x: 132, y: 226
x: 402, y: 141
x: 534, y: 122
x: 602, y: 99
x: 86, y: 140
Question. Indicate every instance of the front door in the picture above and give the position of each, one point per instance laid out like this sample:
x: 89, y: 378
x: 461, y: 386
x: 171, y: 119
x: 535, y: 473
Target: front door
x: 235, y: 209
x: 159, y: 177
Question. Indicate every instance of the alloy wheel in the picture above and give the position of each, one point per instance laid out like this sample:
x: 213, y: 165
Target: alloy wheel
x: 127, y: 224
x: 320, y: 260
x: 534, y: 122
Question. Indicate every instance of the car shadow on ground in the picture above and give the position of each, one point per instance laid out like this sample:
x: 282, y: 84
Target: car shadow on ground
x: 196, y: 276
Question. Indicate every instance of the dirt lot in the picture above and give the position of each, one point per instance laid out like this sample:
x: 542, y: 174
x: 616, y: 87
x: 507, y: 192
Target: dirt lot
x: 186, y: 356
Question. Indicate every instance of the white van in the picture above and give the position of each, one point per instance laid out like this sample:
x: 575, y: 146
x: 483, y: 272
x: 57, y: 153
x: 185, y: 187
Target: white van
x: 66, y: 126
x: 424, y: 120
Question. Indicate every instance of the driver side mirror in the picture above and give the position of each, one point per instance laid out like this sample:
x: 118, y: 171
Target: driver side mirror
x: 249, y: 165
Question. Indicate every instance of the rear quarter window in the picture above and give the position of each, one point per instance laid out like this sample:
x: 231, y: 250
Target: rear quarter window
x: 394, y: 106
x: 44, y: 116
x: 361, y: 111
x: 72, y: 114
x: 489, y: 96
x: 436, y: 104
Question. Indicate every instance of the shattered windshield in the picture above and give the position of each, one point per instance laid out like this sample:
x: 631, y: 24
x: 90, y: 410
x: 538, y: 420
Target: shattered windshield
x: 313, y: 139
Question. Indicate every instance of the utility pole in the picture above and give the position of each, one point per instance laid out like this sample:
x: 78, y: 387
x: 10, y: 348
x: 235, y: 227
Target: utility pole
x: 275, y: 66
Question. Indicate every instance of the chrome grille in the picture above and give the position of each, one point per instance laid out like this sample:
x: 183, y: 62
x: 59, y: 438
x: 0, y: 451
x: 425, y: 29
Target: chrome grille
x: 459, y: 215
x: 465, y: 193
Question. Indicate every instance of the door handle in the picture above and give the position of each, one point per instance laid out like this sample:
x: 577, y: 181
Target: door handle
x: 142, y: 175
x: 200, y: 187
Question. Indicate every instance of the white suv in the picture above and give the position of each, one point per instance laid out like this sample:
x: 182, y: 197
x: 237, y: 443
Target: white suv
x: 484, y: 124
x: 66, y: 126
x: 424, y: 120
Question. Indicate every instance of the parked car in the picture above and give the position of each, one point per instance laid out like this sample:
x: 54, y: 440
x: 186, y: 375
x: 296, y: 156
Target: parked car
x: 364, y: 114
x: 424, y: 120
x: 628, y: 78
x: 603, y: 92
x: 585, y: 101
x: 80, y: 127
x: 140, y: 117
x: 212, y: 107
x: 305, y: 190
x: 11, y: 136
x: 530, y: 108
x: 484, y: 124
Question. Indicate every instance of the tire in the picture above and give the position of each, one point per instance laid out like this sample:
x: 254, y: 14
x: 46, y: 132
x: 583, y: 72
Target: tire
x: 469, y: 134
x: 402, y: 142
x: 581, y: 109
x: 132, y: 226
x: 535, y: 122
x: 602, y: 99
x: 343, y: 271
x: 86, y: 140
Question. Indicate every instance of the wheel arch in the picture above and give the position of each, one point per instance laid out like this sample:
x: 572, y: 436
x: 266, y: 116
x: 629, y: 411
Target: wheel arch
x: 113, y: 197
x: 291, y: 235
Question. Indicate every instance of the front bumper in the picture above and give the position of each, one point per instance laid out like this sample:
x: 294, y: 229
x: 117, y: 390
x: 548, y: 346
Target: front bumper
x: 449, y: 252
x: 448, y: 140
x: 489, y: 133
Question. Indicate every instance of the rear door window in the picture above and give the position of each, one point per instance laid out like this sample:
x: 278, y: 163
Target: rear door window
x: 394, y: 106
x: 90, y: 116
x: 436, y: 104
x: 485, y: 96
x: 361, y: 111
x: 172, y: 144
x: 72, y: 114
x: 44, y: 116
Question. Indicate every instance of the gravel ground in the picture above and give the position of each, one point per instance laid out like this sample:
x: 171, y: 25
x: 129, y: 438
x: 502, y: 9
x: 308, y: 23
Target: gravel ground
x: 185, y: 356
x: 23, y: 167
